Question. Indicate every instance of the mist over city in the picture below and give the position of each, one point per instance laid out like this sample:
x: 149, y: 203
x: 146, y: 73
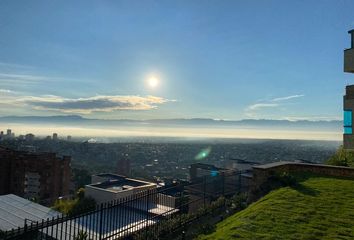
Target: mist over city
x: 176, y: 120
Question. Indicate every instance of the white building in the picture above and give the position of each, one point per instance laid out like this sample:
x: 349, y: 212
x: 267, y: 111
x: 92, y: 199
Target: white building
x: 108, y: 187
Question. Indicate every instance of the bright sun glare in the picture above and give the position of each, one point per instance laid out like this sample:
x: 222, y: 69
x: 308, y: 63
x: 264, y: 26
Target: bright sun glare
x: 153, y: 82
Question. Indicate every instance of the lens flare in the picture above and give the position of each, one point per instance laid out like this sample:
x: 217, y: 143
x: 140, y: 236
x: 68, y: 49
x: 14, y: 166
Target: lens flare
x: 214, y: 173
x: 204, y: 153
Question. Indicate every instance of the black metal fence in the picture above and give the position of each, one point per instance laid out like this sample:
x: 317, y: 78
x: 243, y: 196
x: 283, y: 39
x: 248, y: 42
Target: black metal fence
x: 149, y: 214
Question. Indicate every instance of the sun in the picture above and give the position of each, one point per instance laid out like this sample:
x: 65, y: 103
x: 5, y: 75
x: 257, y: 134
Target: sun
x: 153, y: 82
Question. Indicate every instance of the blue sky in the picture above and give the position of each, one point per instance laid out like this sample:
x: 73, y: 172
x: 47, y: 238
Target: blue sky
x: 213, y: 59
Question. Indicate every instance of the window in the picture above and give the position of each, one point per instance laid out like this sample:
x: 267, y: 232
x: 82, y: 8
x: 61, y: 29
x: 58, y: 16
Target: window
x: 347, y: 122
x: 348, y: 130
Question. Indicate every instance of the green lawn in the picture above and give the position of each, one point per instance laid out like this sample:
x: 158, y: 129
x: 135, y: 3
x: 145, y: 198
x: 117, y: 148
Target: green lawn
x: 320, y: 208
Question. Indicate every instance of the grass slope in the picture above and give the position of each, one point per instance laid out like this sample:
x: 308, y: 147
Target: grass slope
x: 320, y: 208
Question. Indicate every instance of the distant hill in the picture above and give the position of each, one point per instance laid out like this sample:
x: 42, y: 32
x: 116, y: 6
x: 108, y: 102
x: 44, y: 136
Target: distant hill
x: 193, y: 122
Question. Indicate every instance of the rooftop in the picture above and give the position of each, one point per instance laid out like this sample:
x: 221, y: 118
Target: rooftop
x: 110, y: 175
x: 119, y: 183
x: 15, y: 210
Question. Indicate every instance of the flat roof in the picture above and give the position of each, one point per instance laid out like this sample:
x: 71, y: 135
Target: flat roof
x: 136, y: 219
x: 121, y: 184
x: 14, y: 210
x: 110, y: 175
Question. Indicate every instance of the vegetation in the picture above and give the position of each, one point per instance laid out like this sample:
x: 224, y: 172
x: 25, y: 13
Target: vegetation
x: 81, y: 235
x: 275, y: 181
x: 181, y: 227
x: 317, y: 208
x: 82, y: 177
x: 342, y: 157
x: 80, y: 204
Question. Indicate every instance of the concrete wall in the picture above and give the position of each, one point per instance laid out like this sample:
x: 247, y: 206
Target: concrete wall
x: 102, y: 195
x: 166, y: 200
x: 263, y: 172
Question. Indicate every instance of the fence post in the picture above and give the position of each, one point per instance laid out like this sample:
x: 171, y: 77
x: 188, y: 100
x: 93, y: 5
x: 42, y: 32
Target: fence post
x: 204, y: 190
x: 147, y: 214
x: 223, y: 183
x: 101, y: 220
x: 239, y: 182
x: 25, y: 227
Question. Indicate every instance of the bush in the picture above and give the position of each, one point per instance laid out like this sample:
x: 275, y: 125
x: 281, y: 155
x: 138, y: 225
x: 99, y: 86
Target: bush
x: 79, y: 205
x: 239, y: 202
x: 275, y: 181
x: 286, y: 179
x: 342, y: 157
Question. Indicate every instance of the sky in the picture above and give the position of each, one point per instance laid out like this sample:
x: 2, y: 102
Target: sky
x: 228, y: 59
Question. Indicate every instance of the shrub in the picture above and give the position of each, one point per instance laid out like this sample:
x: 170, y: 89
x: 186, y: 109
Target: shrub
x: 79, y: 205
x: 342, y: 157
x: 286, y: 179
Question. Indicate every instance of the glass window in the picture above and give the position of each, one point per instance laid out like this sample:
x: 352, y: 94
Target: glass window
x: 347, y: 120
x: 348, y: 130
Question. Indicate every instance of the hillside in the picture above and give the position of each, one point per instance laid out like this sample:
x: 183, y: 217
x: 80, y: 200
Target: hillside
x: 320, y: 208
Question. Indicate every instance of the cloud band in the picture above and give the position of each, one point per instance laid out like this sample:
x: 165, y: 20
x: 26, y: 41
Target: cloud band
x: 91, y: 104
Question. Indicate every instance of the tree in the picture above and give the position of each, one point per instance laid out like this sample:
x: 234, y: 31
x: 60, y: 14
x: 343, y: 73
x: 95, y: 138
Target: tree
x: 80, y: 204
x: 82, y: 177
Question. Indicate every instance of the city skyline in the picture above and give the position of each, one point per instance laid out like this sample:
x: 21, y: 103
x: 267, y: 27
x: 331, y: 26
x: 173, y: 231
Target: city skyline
x: 158, y: 60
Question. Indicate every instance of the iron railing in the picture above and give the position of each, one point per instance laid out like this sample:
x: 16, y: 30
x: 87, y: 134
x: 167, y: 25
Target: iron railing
x: 149, y: 214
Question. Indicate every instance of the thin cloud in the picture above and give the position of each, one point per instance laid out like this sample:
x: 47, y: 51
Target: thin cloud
x: 254, y: 110
x: 6, y: 91
x: 91, y: 104
x: 21, y: 78
x: 262, y: 105
x: 287, y: 98
x: 15, y: 66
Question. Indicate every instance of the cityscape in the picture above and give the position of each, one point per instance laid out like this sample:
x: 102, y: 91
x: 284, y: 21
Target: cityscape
x: 176, y: 120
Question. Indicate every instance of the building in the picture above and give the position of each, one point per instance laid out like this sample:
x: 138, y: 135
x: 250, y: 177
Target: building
x: 55, y: 136
x: 8, y: 133
x: 21, y: 137
x: 16, y: 211
x: 348, y: 99
x: 208, y: 182
x: 348, y: 107
x: 29, y: 137
x: 199, y: 170
x: 43, y: 176
x: 107, y: 187
x: 123, y: 165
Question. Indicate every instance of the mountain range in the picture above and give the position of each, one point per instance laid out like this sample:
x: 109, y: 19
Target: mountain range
x: 74, y: 120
